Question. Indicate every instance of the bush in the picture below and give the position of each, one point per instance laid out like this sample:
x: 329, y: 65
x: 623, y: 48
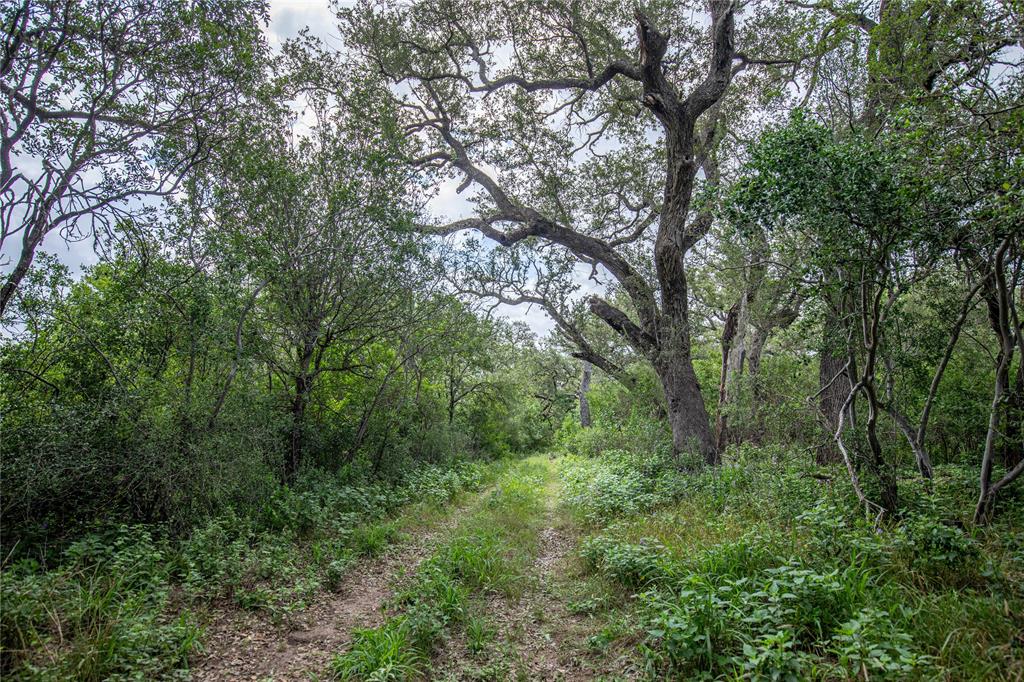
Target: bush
x: 712, y: 625
x: 616, y: 484
x: 938, y: 550
x: 100, y: 616
x: 633, y: 565
x: 869, y: 645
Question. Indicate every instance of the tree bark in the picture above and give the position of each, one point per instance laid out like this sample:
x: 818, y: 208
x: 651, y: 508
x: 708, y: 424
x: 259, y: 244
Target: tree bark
x: 691, y: 428
x: 1007, y: 329
x: 18, y: 273
x: 729, y: 371
x: 584, y: 389
x: 1013, y: 443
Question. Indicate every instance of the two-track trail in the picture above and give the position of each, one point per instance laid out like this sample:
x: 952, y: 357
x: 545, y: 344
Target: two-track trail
x: 249, y: 646
x: 536, y: 635
x: 539, y: 626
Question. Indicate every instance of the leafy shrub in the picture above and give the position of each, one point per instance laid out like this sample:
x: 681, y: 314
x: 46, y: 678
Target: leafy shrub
x: 99, y: 616
x: 775, y: 657
x: 712, y: 626
x: 617, y: 484
x: 869, y: 645
x: 633, y: 565
x: 937, y: 549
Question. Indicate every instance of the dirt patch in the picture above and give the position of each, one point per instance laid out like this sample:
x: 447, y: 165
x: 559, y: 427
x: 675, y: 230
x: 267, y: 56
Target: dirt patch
x: 242, y: 645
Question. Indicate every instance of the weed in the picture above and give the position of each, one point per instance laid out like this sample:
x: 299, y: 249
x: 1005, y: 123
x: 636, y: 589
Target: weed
x: 478, y: 634
x: 757, y: 570
x: 381, y: 654
x: 871, y: 647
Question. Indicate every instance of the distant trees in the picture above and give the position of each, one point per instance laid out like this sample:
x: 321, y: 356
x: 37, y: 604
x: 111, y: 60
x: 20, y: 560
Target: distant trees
x: 279, y: 317
x: 105, y: 103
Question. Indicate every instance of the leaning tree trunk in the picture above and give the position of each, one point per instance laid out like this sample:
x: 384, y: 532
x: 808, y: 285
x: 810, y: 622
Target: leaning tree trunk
x: 584, y: 389
x: 1013, y: 434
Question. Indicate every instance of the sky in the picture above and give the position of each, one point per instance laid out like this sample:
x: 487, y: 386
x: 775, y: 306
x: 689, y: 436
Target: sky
x: 287, y: 19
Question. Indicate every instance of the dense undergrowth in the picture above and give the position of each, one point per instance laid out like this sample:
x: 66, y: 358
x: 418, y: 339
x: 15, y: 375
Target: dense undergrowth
x: 115, y: 603
x: 765, y: 569
x: 489, y: 551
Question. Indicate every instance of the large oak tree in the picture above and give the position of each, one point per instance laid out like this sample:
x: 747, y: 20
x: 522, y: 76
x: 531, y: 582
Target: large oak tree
x: 586, y: 130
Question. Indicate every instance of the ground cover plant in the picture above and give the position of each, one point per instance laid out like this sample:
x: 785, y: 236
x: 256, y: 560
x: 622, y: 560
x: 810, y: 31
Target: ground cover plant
x: 104, y: 610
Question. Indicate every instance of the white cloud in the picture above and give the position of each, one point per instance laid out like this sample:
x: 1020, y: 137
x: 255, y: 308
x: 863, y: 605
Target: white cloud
x: 288, y: 17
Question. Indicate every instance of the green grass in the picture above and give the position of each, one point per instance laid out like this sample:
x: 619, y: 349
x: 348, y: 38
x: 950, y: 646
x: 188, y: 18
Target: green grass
x: 102, y: 609
x: 382, y: 654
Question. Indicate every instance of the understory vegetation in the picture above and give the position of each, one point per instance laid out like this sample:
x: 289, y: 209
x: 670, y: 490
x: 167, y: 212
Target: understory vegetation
x: 765, y: 569
x: 118, y: 602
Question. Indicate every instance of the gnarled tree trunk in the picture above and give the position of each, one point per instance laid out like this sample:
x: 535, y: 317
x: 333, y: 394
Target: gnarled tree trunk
x: 687, y: 415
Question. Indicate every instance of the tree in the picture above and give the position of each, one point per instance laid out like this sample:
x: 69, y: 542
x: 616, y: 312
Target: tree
x: 106, y: 103
x: 536, y: 106
x: 874, y: 60
x: 859, y: 207
x: 320, y: 226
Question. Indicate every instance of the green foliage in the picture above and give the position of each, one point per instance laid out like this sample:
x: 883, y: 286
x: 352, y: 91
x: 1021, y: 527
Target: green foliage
x: 103, y: 610
x: 870, y: 645
x: 616, y: 484
x: 383, y: 654
x: 101, y: 616
x: 622, y: 420
x: 939, y: 550
x: 478, y: 634
x: 707, y: 622
x: 759, y: 571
